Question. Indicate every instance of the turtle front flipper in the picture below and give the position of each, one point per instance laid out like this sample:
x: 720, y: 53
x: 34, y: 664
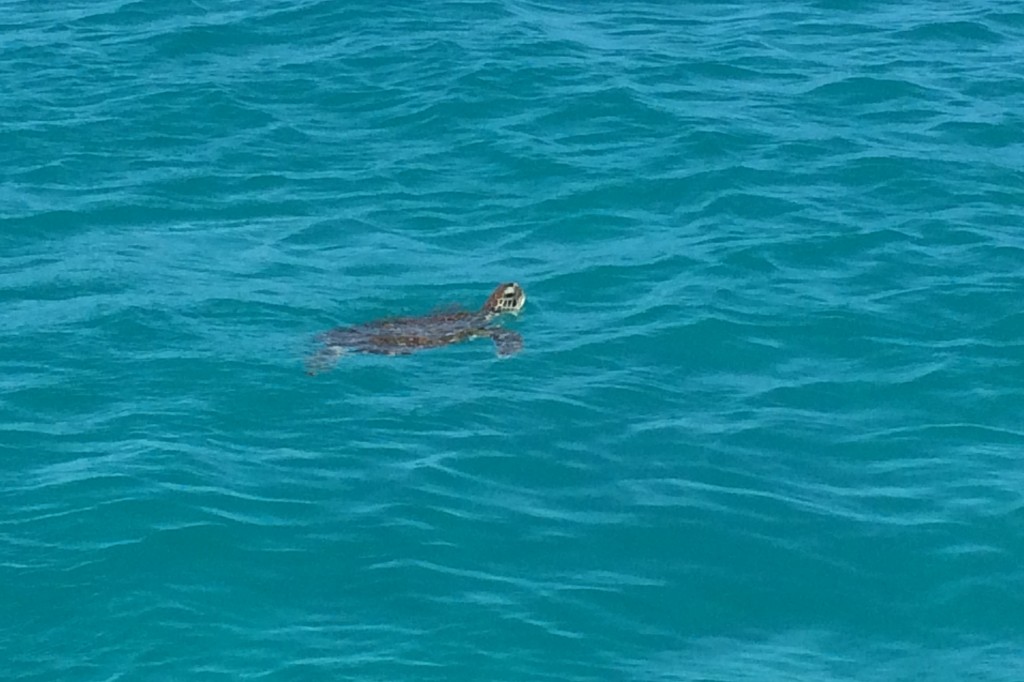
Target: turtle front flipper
x: 506, y: 343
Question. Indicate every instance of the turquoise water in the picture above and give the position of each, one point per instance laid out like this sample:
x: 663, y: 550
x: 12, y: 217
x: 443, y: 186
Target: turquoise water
x: 766, y: 425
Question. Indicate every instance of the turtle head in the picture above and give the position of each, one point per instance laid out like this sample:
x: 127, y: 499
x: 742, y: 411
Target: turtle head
x: 507, y: 298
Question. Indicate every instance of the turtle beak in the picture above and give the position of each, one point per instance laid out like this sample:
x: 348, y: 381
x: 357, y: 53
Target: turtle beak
x: 519, y: 301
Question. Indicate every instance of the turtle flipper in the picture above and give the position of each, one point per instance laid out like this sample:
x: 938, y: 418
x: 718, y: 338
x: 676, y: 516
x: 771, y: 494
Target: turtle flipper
x: 506, y: 342
x: 323, y: 360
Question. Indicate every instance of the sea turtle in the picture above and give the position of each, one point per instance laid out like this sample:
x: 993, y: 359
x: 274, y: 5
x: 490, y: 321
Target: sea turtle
x: 403, y: 335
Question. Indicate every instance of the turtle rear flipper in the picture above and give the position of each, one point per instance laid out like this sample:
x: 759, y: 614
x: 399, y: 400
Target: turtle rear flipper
x: 506, y: 343
x: 323, y: 359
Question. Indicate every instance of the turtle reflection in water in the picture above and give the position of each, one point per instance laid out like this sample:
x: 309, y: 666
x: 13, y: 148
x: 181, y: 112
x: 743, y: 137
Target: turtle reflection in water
x: 403, y: 335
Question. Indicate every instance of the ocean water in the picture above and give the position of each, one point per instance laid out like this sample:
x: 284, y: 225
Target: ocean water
x: 767, y: 423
